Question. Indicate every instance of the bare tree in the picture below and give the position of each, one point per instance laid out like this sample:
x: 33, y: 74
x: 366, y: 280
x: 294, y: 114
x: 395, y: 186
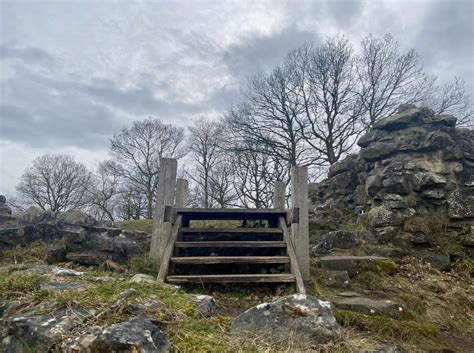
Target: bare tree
x: 104, y: 190
x: 388, y: 78
x: 55, y: 182
x: 205, y: 138
x: 268, y: 118
x: 137, y: 151
x: 326, y: 82
x: 222, y: 185
x: 255, y: 174
x: 452, y: 99
x: 131, y: 204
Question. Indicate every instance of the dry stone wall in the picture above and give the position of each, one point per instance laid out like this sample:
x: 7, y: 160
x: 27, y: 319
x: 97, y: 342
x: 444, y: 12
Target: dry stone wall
x: 412, y: 165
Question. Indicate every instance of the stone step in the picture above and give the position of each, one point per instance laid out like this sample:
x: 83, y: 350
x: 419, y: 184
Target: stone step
x: 352, y: 264
x: 336, y: 279
x: 371, y: 306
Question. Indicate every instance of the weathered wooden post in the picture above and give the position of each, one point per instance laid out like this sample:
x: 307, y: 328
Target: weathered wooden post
x: 164, y: 197
x: 182, y: 190
x: 300, y: 230
x: 168, y: 241
x: 279, y: 195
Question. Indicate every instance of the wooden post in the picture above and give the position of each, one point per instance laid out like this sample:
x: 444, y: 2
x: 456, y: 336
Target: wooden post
x: 300, y: 230
x: 279, y: 195
x: 164, y: 197
x: 182, y: 189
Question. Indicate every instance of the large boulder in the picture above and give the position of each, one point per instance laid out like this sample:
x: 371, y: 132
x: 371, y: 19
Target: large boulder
x: 75, y: 218
x: 42, y: 332
x: 338, y: 239
x: 300, y: 318
x: 34, y: 215
x: 135, y: 335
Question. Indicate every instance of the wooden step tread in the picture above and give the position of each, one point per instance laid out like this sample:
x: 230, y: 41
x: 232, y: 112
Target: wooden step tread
x: 231, y: 230
x: 231, y: 260
x: 229, y: 213
x: 284, y: 277
x: 230, y: 244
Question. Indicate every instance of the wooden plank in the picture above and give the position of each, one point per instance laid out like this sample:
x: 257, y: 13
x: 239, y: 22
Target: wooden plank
x: 207, y: 260
x: 300, y: 230
x: 232, y: 230
x: 231, y: 278
x: 168, y: 251
x: 229, y: 213
x: 279, y: 195
x: 230, y: 244
x: 295, y: 269
x: 164, y: 197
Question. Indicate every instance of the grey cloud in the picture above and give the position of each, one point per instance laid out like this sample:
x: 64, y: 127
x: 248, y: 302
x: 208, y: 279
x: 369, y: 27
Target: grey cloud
x: 264, y: 52
x: 39, y: 110
x: 26, y: 54
x: 447, y: 37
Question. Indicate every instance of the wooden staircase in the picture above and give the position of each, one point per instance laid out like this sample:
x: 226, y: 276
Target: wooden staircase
x: 230, y: 255
x: 185, y: 254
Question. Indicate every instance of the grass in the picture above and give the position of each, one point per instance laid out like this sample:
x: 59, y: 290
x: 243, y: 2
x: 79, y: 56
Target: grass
x: 382, y: 327
x: 357, y: 225
x: 146, y: 225
x: 143, y: 225
x: 438, y: 306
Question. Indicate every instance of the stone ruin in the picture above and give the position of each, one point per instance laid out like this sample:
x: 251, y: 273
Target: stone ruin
x: 411, y: 166
x: 72, y: 236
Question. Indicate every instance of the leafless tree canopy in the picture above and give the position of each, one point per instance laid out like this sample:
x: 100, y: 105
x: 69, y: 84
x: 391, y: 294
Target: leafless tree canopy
x: 452, y: 99
x: 310, y: 110
x: 137, y: 151
x: 388, y: 78
x: 204, y: 144
x: 326, y: 86
x: 104, y: 191
x: 56, y: 183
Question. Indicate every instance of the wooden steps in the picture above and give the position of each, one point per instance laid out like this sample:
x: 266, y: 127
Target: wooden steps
x: 241, y: 278
x: 230, y: 255
x: 230, y: 244
x: 197, y: 260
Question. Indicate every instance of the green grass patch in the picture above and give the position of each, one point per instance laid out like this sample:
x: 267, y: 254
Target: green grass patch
x: 386, y: 328
x: 143, y: 225
x: 15, y: 287
x: 142, y: 264
x: 357, y: 225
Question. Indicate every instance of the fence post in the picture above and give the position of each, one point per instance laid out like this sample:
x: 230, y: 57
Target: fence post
x: 182, y: 189
x: 300, y: 230
x: 279, y: 195
x: 164, y: 197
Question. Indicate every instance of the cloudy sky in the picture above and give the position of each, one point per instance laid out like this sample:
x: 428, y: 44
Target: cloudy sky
x: 72, y: 73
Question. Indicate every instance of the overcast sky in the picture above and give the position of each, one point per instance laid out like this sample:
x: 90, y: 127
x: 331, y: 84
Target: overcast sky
x: 72, y: 73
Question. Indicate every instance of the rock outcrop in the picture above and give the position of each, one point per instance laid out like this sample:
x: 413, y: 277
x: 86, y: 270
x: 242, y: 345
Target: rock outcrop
x: 298, y: 317
x: 413, y: 164
x: 73, y: 236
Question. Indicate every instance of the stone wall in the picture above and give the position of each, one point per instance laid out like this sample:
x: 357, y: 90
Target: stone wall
x: 411, y: 165
x: 72, y: 236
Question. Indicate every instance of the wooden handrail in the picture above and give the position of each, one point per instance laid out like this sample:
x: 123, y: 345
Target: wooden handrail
x: 165, y: 261
x: 295, y: 269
